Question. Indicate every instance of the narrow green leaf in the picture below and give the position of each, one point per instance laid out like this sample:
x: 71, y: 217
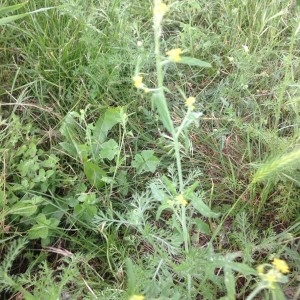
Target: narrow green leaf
x: 9, y: 19
x: 194, y: 62
x: 229, y: 283
x: 163, y: 111
x: 241, y: 268
x: 7, y: 9
x: 171, y: 186
x: 202, y: 208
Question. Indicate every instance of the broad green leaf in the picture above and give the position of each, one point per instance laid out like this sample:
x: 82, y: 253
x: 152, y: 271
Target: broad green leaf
x: 69, y: 148
x: 202, y: 208
x: 85, y: 211
x: 202, y: 226
x: 109, y: 149
x: 105, y: 123
x: 38, y: 231
x: 41, y: 229
x: 194, y: 62
x: 50, y: 162
x: 23, y: 208
x: 145, y: 162
x: 94, y: 174
x: 69, y: 128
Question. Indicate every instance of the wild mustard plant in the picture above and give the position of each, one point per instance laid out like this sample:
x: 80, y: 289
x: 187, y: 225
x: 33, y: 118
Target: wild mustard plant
x: 160, y: 102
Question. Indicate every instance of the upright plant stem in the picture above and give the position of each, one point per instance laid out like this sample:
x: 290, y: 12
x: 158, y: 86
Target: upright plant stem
x: 175, y: 135
x: 160, y: 83
x: 166, y: 118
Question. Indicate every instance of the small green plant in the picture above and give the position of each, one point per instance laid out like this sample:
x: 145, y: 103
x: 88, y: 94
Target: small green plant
x: 176, y: 196
x: 89, y: 143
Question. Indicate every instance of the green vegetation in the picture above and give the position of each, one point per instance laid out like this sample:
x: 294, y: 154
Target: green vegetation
x: 150, y: 150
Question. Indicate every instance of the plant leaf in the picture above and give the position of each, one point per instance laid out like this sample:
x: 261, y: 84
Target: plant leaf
x: 7, y: 9
x: 194, y: 62
x: 111, y: 117
x: 160, y: 102
x: 109, y: 149
x: 145, y: 162
x: 202, y: 208
x: 23, y: 208
x: 94, y: 174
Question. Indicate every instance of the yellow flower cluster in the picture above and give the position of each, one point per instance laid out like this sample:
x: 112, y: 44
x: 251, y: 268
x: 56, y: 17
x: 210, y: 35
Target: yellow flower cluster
x: 159, y: 10
x: 275, y: 273
x: 181, y: 200
x: 174, y: 54
x: 138, y: 83
x: 189, y: 102
x: 281, y: 265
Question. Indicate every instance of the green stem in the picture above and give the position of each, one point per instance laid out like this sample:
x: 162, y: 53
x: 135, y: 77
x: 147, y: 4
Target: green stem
x: 259, y: 288
x: 164, y: 113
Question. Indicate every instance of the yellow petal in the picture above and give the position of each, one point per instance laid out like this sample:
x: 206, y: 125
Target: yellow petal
x: 281, y: 265
x: 174, y: 54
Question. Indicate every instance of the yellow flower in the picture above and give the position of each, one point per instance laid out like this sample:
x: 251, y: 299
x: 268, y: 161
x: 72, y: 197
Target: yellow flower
x: 181, y: 200
x: 271, y: 278
x: 189, y: 102
x: 160, y: 9
x: 137, y: 297
x: 174, y: 54
x: 138, y: 81
x: 260, y: 269
x: 281, y: 265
